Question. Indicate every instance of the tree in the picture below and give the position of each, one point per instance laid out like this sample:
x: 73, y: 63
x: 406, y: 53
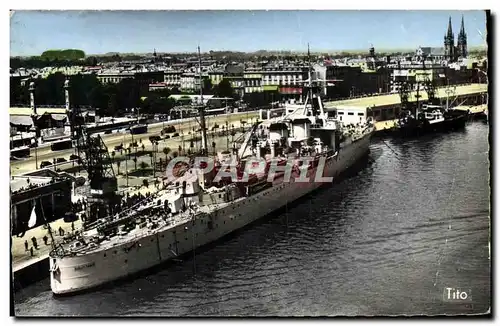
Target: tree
x: 128, y: 93
x: 91, y: 61
x: 224, y: 89
x: 82, y: 87
x: 16, y: 92
x: 69, y: 55
x: 97, y: 98
x: 50, y: 91
x: 207, y: 86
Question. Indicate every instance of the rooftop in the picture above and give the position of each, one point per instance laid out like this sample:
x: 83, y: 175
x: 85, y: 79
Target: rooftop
x: 21, y: 183
x: 28, y: 111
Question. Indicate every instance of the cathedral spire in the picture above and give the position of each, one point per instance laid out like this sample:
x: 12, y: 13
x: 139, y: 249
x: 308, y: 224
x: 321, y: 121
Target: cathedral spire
x: 462, y: 27
x: 462, y: 41
x: 450, y: 31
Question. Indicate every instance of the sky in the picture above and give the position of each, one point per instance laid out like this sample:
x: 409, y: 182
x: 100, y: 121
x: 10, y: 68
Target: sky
x: 99, y: 32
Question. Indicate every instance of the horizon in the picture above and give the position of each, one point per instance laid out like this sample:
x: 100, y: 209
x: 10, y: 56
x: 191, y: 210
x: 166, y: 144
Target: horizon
x: 180, y: 32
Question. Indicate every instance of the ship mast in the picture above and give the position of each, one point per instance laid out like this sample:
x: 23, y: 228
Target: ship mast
x: 309, y: 85
x: 204, y: 146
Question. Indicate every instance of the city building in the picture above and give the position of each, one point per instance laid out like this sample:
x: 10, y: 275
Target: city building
x: 234, y: 74
x: 216, y: 76
x: 350, y: 114
x: 253, y: 82
x: 46, y: 191
x: 172, y: 78
x: 416, y: 72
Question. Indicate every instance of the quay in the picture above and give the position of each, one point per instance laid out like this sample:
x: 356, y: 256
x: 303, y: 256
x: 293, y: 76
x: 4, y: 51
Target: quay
x: 386, y: 107
x: 27, y: 269
x: 183, y: 127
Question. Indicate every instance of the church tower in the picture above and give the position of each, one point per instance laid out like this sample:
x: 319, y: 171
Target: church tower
x: 449, y: 43
x: 462, y: 41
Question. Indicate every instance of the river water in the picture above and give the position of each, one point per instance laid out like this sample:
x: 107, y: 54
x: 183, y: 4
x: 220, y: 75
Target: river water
x: 388, y: 239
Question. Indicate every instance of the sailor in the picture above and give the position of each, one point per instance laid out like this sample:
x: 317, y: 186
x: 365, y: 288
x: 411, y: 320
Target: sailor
x: 35, y: 244
x: 45, y: 239
x: 61, y: 231
x: 73, y: 226
x: 31, y: 251
x: 26, y: 245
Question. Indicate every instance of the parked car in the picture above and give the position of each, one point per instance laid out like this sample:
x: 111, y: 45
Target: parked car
x: 60, y: 160
x: 166, y: 137
x: 167, y: 130
x: 175, y: 135
x: 154, y: 139
x: 45, y: 164
x: 73, y: 157
x: 119, y: 147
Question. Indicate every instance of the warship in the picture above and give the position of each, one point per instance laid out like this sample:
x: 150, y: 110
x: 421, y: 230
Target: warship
x: 203, y: 200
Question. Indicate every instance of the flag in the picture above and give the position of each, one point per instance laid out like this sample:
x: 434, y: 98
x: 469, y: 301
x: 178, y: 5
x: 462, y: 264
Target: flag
x: 32, y: 221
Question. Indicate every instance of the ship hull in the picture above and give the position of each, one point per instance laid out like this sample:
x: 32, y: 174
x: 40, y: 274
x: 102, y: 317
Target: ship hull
x: 448, y: 124
x: 73, y: 274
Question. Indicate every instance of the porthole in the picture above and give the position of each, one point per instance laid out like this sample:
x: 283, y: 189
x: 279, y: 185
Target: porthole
x: 126, y: 261
x: 104, y: 255
x: 115, y: 252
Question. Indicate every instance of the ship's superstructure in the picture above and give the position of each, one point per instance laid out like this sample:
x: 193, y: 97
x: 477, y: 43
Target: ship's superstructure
x: 420, y: 119
x: 279, y: 161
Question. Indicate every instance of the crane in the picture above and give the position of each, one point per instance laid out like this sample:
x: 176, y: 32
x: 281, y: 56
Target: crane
x: 94, y: 157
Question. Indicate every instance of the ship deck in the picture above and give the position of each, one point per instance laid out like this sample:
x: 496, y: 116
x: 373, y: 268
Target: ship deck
x: 139, y: 233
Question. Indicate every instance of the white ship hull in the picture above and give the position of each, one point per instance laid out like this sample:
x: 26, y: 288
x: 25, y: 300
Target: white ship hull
x: 71, y: 274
